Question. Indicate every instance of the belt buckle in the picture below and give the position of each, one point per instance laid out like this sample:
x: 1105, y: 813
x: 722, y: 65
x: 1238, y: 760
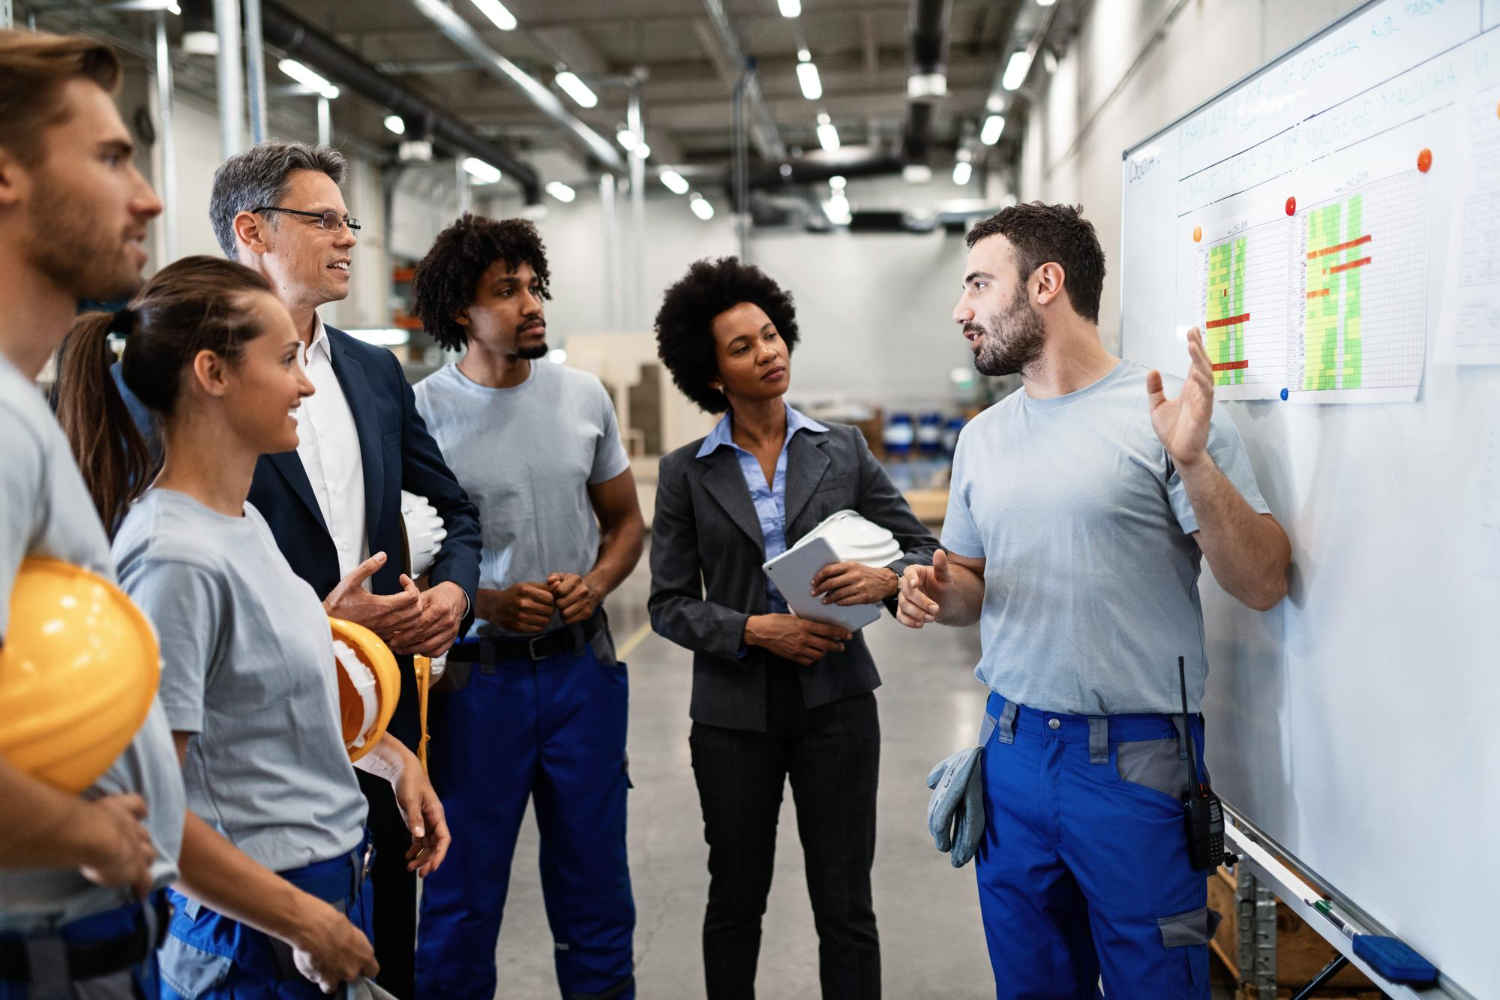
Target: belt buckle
x: 531, y: 649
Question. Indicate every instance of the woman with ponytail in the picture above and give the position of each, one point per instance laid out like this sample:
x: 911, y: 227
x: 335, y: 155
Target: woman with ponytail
x: 272, y: 896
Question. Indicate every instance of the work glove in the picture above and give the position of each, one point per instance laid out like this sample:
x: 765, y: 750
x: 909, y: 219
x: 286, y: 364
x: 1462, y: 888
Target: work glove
x: 955, y: 813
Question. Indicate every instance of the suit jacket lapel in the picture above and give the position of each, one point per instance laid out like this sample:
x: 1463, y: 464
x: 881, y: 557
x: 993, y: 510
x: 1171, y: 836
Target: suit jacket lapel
x: 351, y: 376
x: 289, y: 464
x: 805, y: 465
x: 726, y: 484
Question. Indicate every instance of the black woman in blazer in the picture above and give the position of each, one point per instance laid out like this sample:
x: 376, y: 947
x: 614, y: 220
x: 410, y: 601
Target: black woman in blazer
x: 771, y: 700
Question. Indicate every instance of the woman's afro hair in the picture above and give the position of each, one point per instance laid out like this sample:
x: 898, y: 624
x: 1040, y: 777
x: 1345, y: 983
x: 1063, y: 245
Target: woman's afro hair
x: 684, y: 323
x: 447, y: 277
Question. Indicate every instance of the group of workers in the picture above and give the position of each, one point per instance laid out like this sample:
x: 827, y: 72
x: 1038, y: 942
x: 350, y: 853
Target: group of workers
x: 237, y: 468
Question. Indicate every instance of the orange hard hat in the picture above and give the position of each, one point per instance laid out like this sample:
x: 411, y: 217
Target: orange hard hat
x: 369, y: 685
x: 78, y: 671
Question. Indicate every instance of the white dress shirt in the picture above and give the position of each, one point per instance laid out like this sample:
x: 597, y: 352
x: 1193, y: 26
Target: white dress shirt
x: 328, y: 444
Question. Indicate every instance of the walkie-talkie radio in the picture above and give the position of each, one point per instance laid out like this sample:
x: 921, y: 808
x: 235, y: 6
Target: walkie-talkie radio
x: 1204, y: 813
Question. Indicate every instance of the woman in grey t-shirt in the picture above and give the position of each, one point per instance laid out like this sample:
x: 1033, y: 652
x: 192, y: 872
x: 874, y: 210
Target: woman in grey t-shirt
x: 275, y: 851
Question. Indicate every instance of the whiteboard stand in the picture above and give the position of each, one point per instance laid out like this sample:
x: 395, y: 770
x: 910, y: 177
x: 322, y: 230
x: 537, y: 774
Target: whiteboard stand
x: 1292, y: 889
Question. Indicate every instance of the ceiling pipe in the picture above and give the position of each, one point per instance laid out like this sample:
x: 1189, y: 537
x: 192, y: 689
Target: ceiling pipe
x: 299, y: 40
x: 461, y: 33
x: 767, y: 136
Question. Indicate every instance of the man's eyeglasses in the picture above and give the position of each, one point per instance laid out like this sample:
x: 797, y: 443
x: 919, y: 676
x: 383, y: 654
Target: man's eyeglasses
x: 331, y: 221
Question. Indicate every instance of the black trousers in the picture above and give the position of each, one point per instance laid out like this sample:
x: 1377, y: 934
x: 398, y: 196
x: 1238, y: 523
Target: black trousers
x: 832, y: 756
x: 395, y: 889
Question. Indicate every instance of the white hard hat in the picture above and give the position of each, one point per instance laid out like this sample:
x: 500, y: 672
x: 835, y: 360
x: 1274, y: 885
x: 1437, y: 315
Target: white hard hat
x: 424, y: 531
x: 855, y: 539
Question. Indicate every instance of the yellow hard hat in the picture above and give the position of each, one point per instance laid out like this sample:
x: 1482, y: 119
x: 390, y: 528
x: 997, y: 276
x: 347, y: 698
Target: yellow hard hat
x: 369, y: 684
x: 78, y: 671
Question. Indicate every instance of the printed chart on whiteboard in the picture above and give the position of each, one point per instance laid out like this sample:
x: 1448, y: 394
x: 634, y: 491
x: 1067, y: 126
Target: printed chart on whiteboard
x: 1305, y: 263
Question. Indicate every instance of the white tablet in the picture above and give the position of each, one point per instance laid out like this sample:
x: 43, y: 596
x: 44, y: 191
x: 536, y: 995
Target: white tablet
x: 793, y: 571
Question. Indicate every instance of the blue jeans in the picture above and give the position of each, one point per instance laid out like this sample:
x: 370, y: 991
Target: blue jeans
x: 121, y: 922
x: 552, y: 730
x: 207, y: 956
x: 1083, y: 871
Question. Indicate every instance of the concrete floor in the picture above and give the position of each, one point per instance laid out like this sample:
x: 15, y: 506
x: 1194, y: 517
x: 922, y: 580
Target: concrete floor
x: 932, y: 940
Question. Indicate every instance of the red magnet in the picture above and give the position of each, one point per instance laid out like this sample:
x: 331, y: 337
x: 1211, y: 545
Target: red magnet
x: 1291, y: 206
x: 1424, y: 160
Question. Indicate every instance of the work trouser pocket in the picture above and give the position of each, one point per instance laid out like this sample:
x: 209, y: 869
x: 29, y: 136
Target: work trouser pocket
x: 188, y: 972
x: 1190, y: 928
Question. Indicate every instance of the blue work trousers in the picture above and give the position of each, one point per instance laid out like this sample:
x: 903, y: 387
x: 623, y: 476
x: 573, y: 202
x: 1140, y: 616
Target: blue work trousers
x: 551, y: 730
x: 208, y: 956
x: 123, y: 922
x: 1083, y: 871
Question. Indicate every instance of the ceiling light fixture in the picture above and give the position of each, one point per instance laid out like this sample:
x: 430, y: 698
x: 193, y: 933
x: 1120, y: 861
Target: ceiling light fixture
x: 312, y: 81
x: 1016, y: 70
x: 396, y: 124
x: 962, y: 171
x: 626, y: 139
x: 482, y: 171
x: 807, y: 76
x: 701, y: 206
x: 561, y: 191
x: 576, y: 89
x: 993, y: 126
x: 675, y: 182
x: 496, y: 12
x: 790, y: 8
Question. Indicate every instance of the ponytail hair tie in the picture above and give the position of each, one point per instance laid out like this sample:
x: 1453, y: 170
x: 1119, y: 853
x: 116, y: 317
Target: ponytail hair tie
x: 123, y: 322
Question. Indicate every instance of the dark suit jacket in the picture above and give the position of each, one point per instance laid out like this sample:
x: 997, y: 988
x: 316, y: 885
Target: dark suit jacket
x: 707, y: 553
x: 397, y: 453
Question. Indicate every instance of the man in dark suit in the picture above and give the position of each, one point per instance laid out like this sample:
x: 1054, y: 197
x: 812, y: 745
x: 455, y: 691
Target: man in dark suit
x: 334, y: 505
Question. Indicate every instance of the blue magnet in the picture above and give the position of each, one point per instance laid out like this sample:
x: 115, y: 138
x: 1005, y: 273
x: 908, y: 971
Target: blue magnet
x: 1284, y: 394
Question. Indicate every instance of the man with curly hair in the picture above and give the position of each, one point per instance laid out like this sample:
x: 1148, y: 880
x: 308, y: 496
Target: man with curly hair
x: 537, y: 703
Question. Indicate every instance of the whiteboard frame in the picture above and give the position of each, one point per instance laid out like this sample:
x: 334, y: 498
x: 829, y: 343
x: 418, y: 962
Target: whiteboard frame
x: 1242, y: 833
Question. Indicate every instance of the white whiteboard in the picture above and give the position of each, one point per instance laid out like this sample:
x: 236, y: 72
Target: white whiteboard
x: 1357, y: 724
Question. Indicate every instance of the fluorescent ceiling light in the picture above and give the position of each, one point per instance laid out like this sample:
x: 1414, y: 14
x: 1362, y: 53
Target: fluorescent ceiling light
x: 496, y: 12
x: 962, y: 171
x: 837, y: 210
x: 641, y: 151
x: 789, y: 8
x: 557, y: 356
x: 481, y: 171
x: 307, y: 78
x: 626, y: 139
x: 837, y: 182
x: 576, y: 89
x: 702, y: 208
x: 1016, y: 70
x: 1045, y: 3
x: 920, y: 86
x: 675, y: 182
x: 804, y: 56
x: 396, y: 124
x: 807, y: 76
x: 414, y: 151
x: 561, y: 191
x: 993, y: 126
x: 916, y: 173
x: 828, y: 137
x: 200, y: 43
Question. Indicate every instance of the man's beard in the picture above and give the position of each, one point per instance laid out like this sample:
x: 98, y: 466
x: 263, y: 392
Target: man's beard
x: 77, y: 253
x: 532, y: 353
x: 1011, y: 342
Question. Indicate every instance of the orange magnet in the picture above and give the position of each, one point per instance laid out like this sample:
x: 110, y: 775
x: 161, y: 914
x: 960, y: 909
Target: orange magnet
x: 1197, y: 234
x: 1424, y: 160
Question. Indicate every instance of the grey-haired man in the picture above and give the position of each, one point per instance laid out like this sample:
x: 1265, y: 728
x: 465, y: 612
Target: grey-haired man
x: 335, y: 502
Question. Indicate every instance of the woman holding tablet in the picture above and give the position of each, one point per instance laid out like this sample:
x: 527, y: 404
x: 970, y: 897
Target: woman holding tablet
x: 774, y: 696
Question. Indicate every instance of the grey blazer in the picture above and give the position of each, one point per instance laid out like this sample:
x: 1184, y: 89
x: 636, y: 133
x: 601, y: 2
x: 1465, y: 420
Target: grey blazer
x: 707, y: 553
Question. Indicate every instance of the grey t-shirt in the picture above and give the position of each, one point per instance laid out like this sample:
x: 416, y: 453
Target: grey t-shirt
x: 45, y: 510
x: 1091, y: 573
x: 526, y: 457
x: 247, y: 666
